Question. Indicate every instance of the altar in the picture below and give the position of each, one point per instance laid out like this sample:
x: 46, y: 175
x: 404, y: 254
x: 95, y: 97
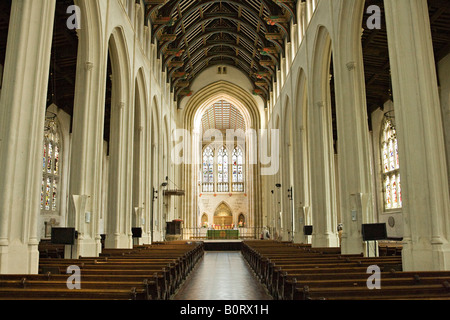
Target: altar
x: 230, y: 234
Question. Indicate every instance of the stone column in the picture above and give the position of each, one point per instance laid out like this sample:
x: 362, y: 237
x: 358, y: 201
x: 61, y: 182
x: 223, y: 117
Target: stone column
x: 301, y: 184
x: 87, y: 154
x: 22, y: 116
x: 354, y: 152
x: 119, y: 220
x: 323, y: 191
x: 418, y: 122
x: 286, y: 175
x: 303, y: 22
x: 309, y: 8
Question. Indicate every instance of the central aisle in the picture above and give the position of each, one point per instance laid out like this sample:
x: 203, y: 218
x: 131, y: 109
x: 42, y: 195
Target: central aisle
x: 222, y: 276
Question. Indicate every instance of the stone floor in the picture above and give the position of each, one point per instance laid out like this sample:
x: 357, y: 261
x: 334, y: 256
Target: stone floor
x: 222, y: 276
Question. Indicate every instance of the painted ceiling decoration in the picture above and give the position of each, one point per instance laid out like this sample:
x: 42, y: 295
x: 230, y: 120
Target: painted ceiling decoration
x: 193, y: 35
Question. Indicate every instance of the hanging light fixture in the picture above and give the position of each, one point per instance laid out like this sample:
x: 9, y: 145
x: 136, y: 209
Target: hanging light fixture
x: 390, y: 116
x: 50, y: 126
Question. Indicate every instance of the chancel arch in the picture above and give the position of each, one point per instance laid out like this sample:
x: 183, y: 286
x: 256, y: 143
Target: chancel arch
x: 249, y: 181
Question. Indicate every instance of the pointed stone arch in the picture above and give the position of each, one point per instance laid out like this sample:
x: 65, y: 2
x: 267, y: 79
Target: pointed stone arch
x: 192, y: 114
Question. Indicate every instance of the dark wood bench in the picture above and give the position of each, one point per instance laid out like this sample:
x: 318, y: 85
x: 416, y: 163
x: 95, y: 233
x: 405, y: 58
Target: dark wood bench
x: 49, y: 250
x: 387, y: 292
x: 293, y: 286
x: 151, y: 285
x: 159, y: 275
x: 146, y: 272
x: 316, y: 273
x: 141, y: 288
x: 390, y: 248
x: 67, y: 294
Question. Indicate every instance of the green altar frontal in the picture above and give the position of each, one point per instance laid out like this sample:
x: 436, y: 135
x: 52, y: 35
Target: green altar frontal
x: 222, y: 234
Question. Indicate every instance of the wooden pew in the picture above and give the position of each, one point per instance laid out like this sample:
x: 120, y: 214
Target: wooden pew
x: 136, y: 290
x: 48, y: 250
x: 89, y: 280
x: 295, y: 283
x: 158, y: 276
x: 146, y: 272
x: 390, y: 248
x: 279, y: 271
x: 135, y: 261
x: 316, y: 273
x: 52, y: 293
x: 387, y: 292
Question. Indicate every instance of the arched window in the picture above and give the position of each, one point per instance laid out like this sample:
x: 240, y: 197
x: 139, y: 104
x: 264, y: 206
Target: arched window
x: 222, y: 170
x: 208, y: 170
x: 238, y: 170
x: 391, y: 167
x: 51, y: 167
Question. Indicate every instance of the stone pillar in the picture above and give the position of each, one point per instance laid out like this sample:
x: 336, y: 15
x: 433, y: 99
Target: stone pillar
x: 418, y: 122
x: 87, y: 154
x: 119, y: 217
x: 323, y: 191
x: 309, y: 8
x: 22, y: 114
x: 286, y: 157
x: 354, y: 152
x: 303, y: 22
x: 301, y: 185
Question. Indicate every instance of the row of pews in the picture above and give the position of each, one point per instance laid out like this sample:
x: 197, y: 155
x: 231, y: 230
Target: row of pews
x: 298, y: 272
x: 49, y: 250
x: 147, y: 272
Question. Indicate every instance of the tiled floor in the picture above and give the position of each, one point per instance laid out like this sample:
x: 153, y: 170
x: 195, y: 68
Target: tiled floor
x: 222, y: 276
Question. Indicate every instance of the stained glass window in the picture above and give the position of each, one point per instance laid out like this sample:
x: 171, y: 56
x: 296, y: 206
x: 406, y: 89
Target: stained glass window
x: 51, y: 167
x: 391, y: 167
x: 222, y: 170
x: 238, y: 170
x: 208, y: 170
